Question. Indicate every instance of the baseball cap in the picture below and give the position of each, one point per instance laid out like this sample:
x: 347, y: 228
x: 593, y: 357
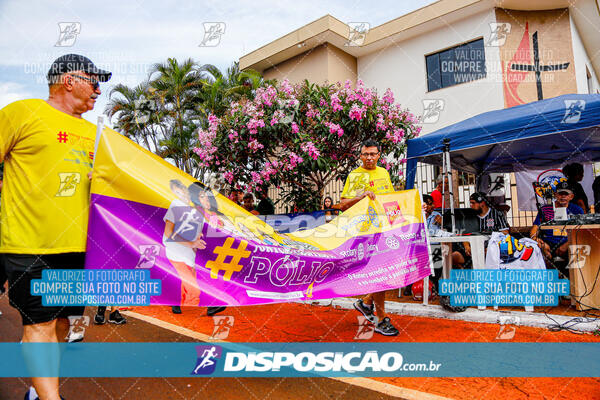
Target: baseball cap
x: 76, y: 62
x: 563, y: 186
x: 478, y: 197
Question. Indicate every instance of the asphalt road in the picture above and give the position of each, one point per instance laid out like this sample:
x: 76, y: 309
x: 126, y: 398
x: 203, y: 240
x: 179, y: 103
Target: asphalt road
x: 170, y: 388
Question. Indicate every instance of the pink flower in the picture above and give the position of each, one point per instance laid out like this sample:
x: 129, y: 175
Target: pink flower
x: 228, y: 176
x: 381, y: 126
x: 294, y: 161
x: 311, y: 112
x: 295, y: 128
x: 255, y: 145
x: 356, y: 112
x: 336, y: 103
x: 388, y: 96
x: 310, y: 148
x: 334, y: 128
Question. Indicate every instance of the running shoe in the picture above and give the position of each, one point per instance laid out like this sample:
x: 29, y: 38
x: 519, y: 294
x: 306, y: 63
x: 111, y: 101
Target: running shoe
x: 210, y: 311
x: 115, y: 317
x: 365, y: 310
x: 100, y: 319
x: 176, y: 310
x: 386, y: 328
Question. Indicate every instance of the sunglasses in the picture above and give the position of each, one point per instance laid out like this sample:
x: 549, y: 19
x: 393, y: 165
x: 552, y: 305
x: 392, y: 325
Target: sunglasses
x: 94, y: 82
x: 563, y: 193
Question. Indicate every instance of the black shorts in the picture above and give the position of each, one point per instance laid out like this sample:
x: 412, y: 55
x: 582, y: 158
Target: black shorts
x: 460, y: 247
x: 22, y: 268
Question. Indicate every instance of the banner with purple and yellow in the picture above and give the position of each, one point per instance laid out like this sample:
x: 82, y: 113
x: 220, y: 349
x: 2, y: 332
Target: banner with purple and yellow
x: 206, y: 250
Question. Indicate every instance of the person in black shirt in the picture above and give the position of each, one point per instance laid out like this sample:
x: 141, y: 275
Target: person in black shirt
x: 490, y: 219
x: 265, y: 206
x: 574, y: 174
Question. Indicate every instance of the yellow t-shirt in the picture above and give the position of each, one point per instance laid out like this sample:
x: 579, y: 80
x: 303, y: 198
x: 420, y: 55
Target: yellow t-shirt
x: 360, y: 180
x: 47, y: 155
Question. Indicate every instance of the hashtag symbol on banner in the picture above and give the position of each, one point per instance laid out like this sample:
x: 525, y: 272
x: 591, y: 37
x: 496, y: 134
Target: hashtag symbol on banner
x: 63, y: 137
x: 222, y: 253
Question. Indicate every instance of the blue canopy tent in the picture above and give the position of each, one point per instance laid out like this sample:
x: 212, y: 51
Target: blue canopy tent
x: 546, y: 133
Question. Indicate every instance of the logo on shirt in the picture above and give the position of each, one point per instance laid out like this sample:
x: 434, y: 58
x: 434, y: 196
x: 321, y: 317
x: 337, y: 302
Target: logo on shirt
x: 68, y: 183
x: 62, y: 137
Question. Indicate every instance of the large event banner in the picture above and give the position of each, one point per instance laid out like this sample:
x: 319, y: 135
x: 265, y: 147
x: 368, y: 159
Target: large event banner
x: 206, y: 250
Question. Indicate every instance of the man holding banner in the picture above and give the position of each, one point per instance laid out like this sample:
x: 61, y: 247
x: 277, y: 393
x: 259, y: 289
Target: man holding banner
x: 48, y: 151
x: 367, y: 181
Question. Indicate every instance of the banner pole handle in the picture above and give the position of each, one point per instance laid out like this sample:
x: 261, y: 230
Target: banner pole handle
x: 99, y: 129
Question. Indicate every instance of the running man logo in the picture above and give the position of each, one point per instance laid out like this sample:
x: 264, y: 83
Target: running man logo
x: 365, y: 329
x: 578, y: 254
x: 223, y: 325
x: 77, y: 325
x: 507, y: 327
x: 498, y: 33
x: 68, y: 183
x: 432, y: 108
x: 148, y: 254
x: 68, y: 33
x: 393, y: 212
x: 207, y: 359
x: 222, y: 253
x: 573, y: 111
x: 212, y: 34
x: 357, y: 33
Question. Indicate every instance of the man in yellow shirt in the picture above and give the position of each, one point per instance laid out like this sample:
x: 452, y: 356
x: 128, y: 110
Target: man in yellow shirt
x: 47, y: 149
x: 369, y: 180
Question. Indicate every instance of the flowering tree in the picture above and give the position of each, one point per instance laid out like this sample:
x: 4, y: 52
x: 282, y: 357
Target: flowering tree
x: 302, y: 137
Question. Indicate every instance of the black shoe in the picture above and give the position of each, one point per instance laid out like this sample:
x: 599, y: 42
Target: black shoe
x: 33, y: 395
x: 365, y: 310
x: 386, y: 328
x: 115, y: 317
x: 176, y: 310
x: 99, y: 319
x: 210, y: 311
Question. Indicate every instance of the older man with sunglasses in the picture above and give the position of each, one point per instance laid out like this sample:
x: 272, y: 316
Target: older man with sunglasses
x: 47, y: 149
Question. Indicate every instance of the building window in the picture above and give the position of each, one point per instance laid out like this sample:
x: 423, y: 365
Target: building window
x: 459, y: 64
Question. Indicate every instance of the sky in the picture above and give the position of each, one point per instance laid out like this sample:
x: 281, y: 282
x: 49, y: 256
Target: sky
x: 128, y: 37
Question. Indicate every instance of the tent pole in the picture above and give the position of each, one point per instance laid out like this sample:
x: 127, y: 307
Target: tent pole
x: 448, y: 172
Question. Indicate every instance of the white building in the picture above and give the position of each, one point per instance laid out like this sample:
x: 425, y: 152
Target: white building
x: 459, y: 57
